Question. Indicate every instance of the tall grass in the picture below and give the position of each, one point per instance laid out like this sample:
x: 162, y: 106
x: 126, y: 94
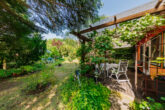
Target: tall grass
x: 88, y: 96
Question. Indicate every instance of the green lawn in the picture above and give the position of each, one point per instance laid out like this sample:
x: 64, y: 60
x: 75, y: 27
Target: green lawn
x: 11, y: 97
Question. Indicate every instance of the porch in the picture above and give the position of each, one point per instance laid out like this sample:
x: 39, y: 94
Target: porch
x: 145, y: 86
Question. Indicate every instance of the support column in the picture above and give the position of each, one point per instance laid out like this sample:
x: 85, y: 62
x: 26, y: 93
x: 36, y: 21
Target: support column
x: 136, y: 67
x: 144, y: 58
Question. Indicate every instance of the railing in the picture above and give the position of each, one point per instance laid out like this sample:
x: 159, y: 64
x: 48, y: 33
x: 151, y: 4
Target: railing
x: 149, y: 86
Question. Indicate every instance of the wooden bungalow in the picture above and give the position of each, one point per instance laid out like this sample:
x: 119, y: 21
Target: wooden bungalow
x: 151, y: 62
x: 148, y: 51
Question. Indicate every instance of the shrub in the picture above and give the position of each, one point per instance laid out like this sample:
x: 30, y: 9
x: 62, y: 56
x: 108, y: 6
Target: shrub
x: 149, y: 104
x: 22, y: 70
x: 58, y: 62
x: 37, y: 84
x: 27, y: 68
x: 8, y: 73
x: 85, y: 68
x: 88, y: 96
x: 14, y: 71
x: 3, y: 73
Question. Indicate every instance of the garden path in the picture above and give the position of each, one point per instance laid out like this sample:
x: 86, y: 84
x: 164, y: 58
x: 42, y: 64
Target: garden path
x: 11, y: 97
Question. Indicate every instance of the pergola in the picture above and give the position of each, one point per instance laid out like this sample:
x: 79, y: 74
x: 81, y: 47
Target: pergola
x: 154, y: 7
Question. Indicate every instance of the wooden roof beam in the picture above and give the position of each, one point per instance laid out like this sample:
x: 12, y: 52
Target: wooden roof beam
x: 158, y: 3
x: 134, y: 16
x: 82, y: 37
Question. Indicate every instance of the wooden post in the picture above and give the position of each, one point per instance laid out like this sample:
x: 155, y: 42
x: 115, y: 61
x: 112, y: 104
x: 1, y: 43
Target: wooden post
x: 136, y: 67
x: 158, y: 3
x: 156, y: 87
x: 144, y: 58
x: 162, y: 49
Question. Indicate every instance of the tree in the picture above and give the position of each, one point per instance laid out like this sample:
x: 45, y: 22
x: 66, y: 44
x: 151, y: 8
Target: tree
x: 18, y: 19
x: 12, y: 30
x: 63, y: 48
x: 55, y: 15
x: 58, y: 44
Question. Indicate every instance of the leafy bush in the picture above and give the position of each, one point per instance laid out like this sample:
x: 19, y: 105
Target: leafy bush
x: 8, y: 73
x: 37, y: 84
x: 31, y: 68
x: 88, y: 96
x: 14, y: 71
x: 149, y: 104
x: 3, y: 73
x: 21, y: 70
x: 27, y: 68
x: 86, y: 68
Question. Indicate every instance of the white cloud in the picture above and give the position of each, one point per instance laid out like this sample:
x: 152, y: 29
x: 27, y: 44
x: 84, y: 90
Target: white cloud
x: 51, y: 36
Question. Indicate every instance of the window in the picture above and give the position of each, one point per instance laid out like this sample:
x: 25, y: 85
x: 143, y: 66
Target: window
x: 155, y: 48
x: 141, y: 55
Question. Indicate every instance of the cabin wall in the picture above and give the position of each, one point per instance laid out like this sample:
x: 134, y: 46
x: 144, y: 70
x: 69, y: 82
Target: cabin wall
x: 148, y: 82
x: 149, y: 50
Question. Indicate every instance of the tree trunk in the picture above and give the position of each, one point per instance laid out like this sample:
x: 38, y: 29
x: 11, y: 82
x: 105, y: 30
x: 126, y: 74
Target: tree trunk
x: 4, y: 64
x: 83, y: 53
x: 1, y: 63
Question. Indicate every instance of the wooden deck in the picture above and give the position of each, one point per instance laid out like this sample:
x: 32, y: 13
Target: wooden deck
x: 124, y: 86
x: 146, y: 86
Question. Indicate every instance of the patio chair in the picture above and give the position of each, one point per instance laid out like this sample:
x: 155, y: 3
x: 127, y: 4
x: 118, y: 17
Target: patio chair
x: 108, y: 67
x: 99, y: 69
x: 120, y: 71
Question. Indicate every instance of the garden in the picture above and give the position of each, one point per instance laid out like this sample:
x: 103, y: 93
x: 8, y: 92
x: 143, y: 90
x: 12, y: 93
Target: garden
x: 82, y: 73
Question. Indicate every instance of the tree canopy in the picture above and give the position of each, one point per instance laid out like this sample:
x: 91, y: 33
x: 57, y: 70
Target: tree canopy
x: 54, y: 15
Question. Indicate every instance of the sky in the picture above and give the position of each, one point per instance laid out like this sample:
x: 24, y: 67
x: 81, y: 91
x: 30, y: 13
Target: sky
x: 110, y: 8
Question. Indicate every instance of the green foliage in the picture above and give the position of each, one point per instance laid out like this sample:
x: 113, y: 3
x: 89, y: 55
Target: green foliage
x: 10, y: 25
x: 85, y: 68
x: 98, y: 60
x: 150, y: 104
x: 23, y: 50
x: 84, y: 49
x: 31, y: 68
x: 64, y: 15
x: 95, y: 51
x: 9, y: 73
x: 20, y: 71
x: 103, y: 43
x: 34, y: 48
x: 134, y: 30
x: 37, y: 84
x: 123, y: 53
x: 56, y: 16
x: 4, y: 74
x: 88, y: 96
x: 68, y: 48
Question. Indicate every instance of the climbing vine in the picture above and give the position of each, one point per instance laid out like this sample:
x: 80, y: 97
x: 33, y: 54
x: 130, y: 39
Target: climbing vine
x: 134, y: 30
x: 101, y: 47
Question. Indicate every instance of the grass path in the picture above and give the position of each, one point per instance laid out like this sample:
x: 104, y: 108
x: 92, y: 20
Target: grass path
x: 11, y: 97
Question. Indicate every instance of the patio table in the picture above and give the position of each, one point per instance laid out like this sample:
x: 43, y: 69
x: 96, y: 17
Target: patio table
x: 108, y: 67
